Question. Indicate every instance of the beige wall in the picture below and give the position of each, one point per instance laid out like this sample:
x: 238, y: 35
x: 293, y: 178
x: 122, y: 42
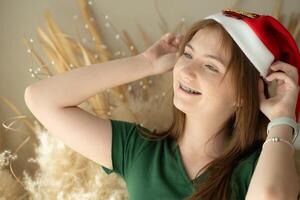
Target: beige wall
x: 20, y: 18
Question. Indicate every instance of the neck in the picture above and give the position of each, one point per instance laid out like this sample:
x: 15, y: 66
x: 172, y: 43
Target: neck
x: 199, y: 138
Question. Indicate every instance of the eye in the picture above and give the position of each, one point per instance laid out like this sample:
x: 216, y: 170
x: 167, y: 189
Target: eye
x: 211, y: 68
x: 208, y: 66
x: 186, y: 54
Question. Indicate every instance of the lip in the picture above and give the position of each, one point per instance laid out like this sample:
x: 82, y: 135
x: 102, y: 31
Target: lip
x: 184, y: 92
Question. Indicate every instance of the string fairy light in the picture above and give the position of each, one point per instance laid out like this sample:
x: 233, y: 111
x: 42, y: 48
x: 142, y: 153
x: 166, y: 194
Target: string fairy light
x: 96, y: 56
x: 108, y: 24
x: 129, y: 87
x: 38, y: 73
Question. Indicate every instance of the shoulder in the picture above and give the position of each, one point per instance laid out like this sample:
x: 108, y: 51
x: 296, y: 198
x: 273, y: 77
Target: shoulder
x: 127, y: 144
x: 250, y: 159
x: 133, y: 131
x: 242, y: 173
x: 246, y: 165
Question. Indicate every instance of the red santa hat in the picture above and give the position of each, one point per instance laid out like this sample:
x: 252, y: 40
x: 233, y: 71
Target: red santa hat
x: 262, y: 38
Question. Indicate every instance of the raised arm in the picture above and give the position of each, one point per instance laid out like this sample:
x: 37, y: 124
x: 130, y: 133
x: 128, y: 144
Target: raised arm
x: 73, y: 87
x: 275, y: 176
x: 53, y: 101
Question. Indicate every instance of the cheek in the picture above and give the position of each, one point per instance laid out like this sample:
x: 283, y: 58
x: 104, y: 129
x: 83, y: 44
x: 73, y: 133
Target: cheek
x: 227, y: 95
x: 223, y: 94
x: 175, y: 71
x: 175, y: 76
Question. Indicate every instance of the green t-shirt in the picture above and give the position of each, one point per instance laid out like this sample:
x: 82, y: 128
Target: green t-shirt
x: 152, y: 171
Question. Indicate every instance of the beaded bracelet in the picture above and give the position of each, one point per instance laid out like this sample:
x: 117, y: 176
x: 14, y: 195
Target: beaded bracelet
x: 285, y: 120
x: 278, y: 139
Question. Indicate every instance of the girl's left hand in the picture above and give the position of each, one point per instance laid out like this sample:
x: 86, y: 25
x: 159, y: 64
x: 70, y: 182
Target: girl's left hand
x: 285, y: 100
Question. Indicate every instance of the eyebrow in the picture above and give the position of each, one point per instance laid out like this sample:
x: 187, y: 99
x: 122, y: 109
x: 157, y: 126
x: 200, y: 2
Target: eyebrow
x: 220, y: 60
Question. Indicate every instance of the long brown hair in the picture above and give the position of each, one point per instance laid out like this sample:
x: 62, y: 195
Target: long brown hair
x: 246, y: 127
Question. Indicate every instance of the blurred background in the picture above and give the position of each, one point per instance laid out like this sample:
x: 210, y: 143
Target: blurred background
x: 144, y: 21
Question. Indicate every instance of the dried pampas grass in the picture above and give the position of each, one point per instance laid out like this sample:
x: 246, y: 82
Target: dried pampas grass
x: 9, y: 187
x: 65, y: 174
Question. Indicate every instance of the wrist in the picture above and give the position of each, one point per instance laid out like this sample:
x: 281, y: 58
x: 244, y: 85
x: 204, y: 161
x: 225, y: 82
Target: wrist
x: 283, y: 114
x: 285, y: 126
x: 146, y: 62
x: 283, y: 131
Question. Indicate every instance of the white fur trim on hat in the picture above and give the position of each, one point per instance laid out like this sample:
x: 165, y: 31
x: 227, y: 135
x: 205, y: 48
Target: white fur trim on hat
x: 247, y: 40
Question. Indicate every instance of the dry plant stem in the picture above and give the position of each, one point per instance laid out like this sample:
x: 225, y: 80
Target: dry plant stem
x: 277, y: 9
x: 163, y: 24
x: 10, y: 164
x: 61, y: 41
x: 236, y: 4
x: 87, y: 15
x: 18, y: 113
x: 35, y: 56
x: 105, y: 55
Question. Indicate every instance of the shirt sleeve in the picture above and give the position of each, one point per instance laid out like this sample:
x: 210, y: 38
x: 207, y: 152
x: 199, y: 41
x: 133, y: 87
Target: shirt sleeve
x: 126, y: 145
x: 241, y: 176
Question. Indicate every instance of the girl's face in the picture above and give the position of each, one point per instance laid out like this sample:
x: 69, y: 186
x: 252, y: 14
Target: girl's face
x: 201, y: 67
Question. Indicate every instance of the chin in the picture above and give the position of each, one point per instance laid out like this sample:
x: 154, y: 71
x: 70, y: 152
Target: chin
x: 180, y: 106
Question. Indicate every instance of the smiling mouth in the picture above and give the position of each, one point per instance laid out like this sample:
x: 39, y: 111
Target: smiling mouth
x: 188, y: 90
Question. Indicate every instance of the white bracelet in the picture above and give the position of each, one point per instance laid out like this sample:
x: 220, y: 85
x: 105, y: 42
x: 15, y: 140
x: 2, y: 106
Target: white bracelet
x: 285, y: 120
x: 278, y: 139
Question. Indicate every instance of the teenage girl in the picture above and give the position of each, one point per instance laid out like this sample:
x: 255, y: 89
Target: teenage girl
x: 217, y: 147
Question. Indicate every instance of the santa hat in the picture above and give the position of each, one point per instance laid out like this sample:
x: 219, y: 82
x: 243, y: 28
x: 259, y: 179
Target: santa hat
x: 262, y: 38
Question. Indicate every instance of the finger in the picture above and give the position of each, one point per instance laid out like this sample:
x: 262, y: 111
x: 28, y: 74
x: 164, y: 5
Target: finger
x: 283, y: 66
x: 176, y: 42
x: 287, y: 68
x: 179, y: 37
x: 168, y: 37
x: 165, y: 37
x: 282, y: 76
x: 261, y: 93
x: 173, y: 49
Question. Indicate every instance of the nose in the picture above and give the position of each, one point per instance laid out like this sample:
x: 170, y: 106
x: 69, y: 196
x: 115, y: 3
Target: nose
x: 188, y: 73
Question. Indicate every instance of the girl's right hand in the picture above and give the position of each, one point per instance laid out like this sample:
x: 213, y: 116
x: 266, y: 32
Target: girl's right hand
x: 163, y: 54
